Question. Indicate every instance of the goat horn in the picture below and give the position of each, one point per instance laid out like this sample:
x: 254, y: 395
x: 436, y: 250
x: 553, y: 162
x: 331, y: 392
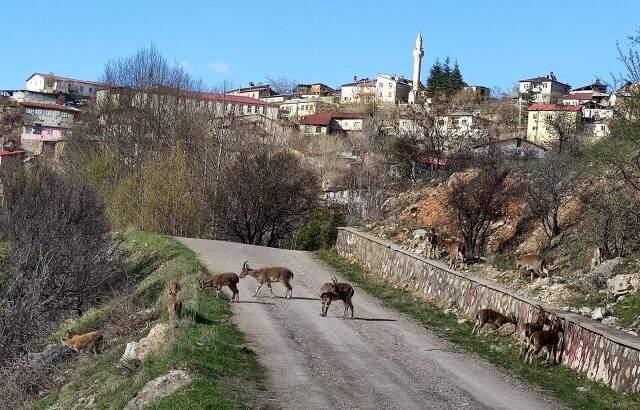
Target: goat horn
x: 245, y: 263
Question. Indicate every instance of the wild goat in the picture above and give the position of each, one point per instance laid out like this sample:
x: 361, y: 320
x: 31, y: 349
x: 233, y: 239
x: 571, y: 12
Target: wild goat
x: 81, y: 343
x: 551, y: 340
x: 432, y: 244
x: 597, y: 257
x: 530, y: 328
x: 218, y: 280
x: 455, y: 250
x: 268, y: 276
x: 533, y: 263
x: 336, y: 291
x: 485, y: 316
x: 174, y: 304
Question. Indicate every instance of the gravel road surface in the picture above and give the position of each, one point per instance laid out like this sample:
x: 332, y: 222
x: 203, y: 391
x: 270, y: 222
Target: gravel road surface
x: 381, y: 359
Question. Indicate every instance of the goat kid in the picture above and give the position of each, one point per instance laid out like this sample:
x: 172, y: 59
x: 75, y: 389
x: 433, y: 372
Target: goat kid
x: 336, y: 291
x: 269, y: 275
x: 455, y: 250
x: 494, y: 317
x: 174, y: 304
x: 82, y: 343
x: 218, y: 280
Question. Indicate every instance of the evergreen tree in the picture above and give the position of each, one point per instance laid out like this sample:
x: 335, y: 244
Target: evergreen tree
x: 436, y: 79
x: 446, y: 72
x: 457, y: 83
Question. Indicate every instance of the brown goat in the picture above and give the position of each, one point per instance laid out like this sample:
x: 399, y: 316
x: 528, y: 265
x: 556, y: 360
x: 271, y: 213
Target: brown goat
x: 218, y: 280
x: 455, y: 252
x: 530, y: 328
x: 174, y: 304
x: 485, y: 316
x: 269, y: 275
x: 336, y: 291
x: 534, y: 263
x: 81, y: 343
x: 552, y: 340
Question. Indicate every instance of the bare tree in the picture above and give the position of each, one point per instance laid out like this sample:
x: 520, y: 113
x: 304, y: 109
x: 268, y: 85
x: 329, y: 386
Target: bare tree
x: 477, y: 202
x: 550, y: 184
x: 60, y: 256
x: 264, y: 195
x: 12, y: 118
x: 281, y: 84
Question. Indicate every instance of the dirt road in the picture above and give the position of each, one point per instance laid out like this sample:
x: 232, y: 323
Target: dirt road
x: 383, y: 359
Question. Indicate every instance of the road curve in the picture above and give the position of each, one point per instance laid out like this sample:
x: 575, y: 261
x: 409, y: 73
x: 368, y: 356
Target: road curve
x: 383, y: 359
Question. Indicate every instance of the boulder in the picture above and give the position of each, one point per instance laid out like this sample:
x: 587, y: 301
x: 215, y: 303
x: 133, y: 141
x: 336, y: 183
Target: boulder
x: 620, y: 285
x: 158, y: 388
x: 597, y: 277
x: 599, y: 313
x: 507, y: 329
x: 135, y: 352
x: 420, y: 234
x: 52, y: 355
x: 610, y: 321
x: 585, y: 311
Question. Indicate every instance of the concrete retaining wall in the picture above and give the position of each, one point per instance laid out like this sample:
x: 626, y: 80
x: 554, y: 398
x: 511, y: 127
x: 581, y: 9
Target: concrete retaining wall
x: 597, y: 351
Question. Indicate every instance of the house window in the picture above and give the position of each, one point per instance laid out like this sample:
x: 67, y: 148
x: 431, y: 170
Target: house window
x: 47, y: 113
x: 389, y: 94
x: 37, y: 129
x: 441, y: 123
x: 549, y: 116
x: 64, y: 114
x: 318, y: 130
x: 535, y: 115
x: 390, y: 85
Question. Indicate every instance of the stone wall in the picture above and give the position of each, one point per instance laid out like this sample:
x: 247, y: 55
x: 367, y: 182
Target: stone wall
x: 595, y: 350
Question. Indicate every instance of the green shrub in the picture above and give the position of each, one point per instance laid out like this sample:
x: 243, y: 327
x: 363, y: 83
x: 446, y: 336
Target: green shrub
x: 320, y: 232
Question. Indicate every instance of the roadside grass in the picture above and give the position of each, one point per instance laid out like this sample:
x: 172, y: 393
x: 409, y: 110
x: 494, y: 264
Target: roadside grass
x: 628, y: 309
x: 205, y: 342
x: 561, y: 381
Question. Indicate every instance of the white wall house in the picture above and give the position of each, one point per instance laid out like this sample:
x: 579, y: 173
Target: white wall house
x: 544, y: 88
x: 49, y: 83
x: 460, y: 124
x: 332, y: 122
x: 254, y: 91
x: 392, y: 89
x: 359, y: 91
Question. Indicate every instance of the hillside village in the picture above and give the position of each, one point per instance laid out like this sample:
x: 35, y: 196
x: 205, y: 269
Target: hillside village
x: 546, y: 171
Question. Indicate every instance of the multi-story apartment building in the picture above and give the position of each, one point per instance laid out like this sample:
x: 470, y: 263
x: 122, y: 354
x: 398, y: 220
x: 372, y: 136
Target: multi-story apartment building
x: 543, y: 120
x: 545, y: 89
x: 297, y: 108
x: 359, y: 91
x: 50, y: 83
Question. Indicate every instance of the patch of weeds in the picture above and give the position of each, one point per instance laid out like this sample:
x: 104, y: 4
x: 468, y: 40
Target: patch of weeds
x: 628, y: 309
x: 561, y: 381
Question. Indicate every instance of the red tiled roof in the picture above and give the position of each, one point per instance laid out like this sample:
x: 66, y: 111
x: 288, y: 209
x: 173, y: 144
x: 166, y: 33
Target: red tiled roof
x: 48, y: 106
x: 553, y: 107
x: 57, y: 77
x: 579, y: 96
x: 325, y: 118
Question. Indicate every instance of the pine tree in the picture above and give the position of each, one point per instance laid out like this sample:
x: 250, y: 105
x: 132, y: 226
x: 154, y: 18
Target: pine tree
x: 457, y: 83
x: 435, y: 80
x: 446, y: 72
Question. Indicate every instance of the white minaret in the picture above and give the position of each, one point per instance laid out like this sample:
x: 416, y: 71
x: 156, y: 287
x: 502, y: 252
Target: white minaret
x: 418, y: 53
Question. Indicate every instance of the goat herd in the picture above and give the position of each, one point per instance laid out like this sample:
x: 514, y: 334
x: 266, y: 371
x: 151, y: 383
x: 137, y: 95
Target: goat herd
x: 541, y: 334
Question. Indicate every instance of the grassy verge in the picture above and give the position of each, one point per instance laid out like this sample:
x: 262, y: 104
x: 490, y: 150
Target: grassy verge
x: 205, y: 343
x: 559, y: 380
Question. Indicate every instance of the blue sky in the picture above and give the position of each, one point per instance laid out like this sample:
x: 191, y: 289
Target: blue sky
x: 496, y: 42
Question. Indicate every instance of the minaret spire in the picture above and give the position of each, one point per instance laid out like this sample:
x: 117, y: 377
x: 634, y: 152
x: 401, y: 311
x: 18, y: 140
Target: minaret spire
x: 418, y: 53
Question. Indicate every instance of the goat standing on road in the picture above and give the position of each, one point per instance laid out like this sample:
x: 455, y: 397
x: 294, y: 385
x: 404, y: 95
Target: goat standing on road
x: 336, y: 291
x: 218, y: 280
x: 268, y: 276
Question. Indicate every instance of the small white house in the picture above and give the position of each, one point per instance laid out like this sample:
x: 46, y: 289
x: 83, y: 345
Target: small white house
x: 50, y: 83
x: 516, y: 147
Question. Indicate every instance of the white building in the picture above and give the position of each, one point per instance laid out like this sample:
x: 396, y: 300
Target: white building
x: 297, y: 108
x: 50, y: 83
x: 254, y: 91
x: 359, y: 91
x: 461, y: 124
x: 392, y: 89
x: 545, y: 89
x: 333, y: 122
